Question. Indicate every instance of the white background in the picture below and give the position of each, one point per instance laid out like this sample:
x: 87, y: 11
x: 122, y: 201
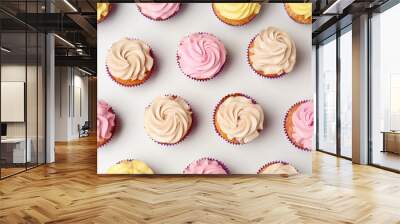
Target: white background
x: 274, y: 95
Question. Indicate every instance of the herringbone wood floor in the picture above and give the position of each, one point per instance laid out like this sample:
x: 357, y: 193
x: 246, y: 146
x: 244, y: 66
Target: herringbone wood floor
x: 69, y: 191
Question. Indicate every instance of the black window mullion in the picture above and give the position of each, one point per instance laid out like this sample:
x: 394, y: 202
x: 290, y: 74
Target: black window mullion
x: 37, y: 90
x: 317, y: 96
x: 338, y: 73
x: 369, y: 95
x: 26, y: 88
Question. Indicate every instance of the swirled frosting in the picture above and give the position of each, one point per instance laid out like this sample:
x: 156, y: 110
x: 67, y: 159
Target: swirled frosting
x: 105, y: 120
x: 279, y: 168
x: 102, y: 10
x: 205, y: 166
x: 158, y: 10
x: 129, y: 59
x: 201, y: 55
x: 303, y: 124
x: 237, y: 11
x: 239, y: 118
x: 302, y: 9
x: 168, y: 119
x: 273, y: 52
x: 130, y: 167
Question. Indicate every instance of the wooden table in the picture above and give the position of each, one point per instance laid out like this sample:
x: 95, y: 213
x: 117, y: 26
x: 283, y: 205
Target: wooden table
x: 391, y: 141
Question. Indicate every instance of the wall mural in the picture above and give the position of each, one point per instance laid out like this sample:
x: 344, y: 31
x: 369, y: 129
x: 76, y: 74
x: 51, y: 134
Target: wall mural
x: 219, y: 88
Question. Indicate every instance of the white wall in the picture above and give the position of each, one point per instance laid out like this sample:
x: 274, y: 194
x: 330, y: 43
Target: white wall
x: 67, y: 116
x: 61, y: 103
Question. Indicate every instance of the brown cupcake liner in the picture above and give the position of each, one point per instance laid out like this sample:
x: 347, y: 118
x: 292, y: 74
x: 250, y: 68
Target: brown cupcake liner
x: 212, y: 159
x: 110, y: 7
x: 286, y: 131
x: 297, y: 18
x: 113, y: 130
x: 234, y: 25
x: 275, y: 162
x: 215, y: 114
x: 157, y: 20
x: 187, y: 133
x: 207, y: 79
x: 152, y: 70
x: 268, y: 76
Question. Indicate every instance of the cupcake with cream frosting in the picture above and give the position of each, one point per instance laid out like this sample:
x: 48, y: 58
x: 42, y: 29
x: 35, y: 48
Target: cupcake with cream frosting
x: 130, y: 167
x: 278, y: 167
x: 300, y: 12
x: 238, y: 119
x: 106, y: 123
x: 236, y: 14
x: 168, y: 119
x: 130, y: 62
x: 206, y: 166
x: 201, y: 56
x: 158, y: 11
x: 103, y: 10
x: 272, y: 53
x: 299, y: 124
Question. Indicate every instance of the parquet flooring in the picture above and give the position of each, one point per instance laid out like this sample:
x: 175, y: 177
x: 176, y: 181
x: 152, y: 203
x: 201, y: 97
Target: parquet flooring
x: 69, y: 191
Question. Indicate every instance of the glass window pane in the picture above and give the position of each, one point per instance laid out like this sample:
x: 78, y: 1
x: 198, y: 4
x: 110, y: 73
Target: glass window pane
x: 13, y: 89
x: 41, y: 98
x: 385, y: 84
x: 346, y: 94
x: 31, y: 98
x: 327, y: 97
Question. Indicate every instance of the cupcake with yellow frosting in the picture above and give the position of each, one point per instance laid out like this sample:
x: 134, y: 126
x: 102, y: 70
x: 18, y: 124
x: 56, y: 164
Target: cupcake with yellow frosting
x: 238, y: 119
x: 272, y: 53
x: 278, y: 168
x: 130, y: 62
x: 300, y: 12
x: 236, y: 14
x: 168, y: 119
x: 103, y: 9
x: 130, y: 167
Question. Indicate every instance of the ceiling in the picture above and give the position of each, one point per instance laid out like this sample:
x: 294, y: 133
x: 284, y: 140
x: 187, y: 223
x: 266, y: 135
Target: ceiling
x: 74, y: 22
x: 329, y: 16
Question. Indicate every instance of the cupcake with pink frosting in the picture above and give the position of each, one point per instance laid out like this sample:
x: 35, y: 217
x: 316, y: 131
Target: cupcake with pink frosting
x: 106, y: 123
x: 206, y: 166
x: 299, y: 124
x: 158, y: 11
x: 201, y: 56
